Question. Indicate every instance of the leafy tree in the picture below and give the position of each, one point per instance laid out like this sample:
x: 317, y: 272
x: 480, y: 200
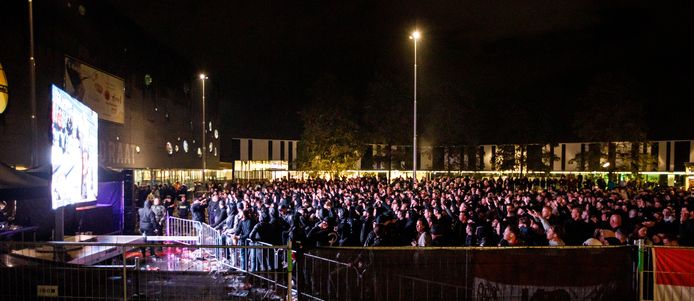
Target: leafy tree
x: 611, y: 112
x: 388, y: 117
x: 450, y: 121
x: 330, y: 140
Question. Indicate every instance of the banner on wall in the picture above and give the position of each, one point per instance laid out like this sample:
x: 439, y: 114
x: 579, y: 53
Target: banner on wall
x: 674, y: 274
x: 102, y: 92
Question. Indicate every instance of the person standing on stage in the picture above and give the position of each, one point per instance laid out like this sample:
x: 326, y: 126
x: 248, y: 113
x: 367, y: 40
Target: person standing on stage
x: 147, y: 226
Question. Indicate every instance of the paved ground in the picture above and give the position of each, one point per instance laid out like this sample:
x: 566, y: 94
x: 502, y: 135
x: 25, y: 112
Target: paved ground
x: 185, y: 274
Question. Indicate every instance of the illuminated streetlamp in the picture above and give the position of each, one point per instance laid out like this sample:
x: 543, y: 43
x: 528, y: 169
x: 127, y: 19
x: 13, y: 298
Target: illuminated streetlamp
x: 203, y: 77
x: 415, y: 36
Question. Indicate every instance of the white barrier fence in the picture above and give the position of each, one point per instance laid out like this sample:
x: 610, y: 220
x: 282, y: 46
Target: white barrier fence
x: 206, y: 235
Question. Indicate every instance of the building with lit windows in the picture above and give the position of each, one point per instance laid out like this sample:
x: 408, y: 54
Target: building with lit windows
x: 666, y: 162
x: 250, y: 158
x: 148, y: 98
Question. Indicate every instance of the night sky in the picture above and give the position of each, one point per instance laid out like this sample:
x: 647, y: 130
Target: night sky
x: 537, y: 59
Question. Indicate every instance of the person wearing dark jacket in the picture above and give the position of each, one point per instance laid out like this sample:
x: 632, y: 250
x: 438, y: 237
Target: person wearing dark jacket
x: 319, y: 235
x: 213, y: 208
x: 169, y: 205
x: 198, y: 210
x: 262, y: 232
x: 577, y: 230
x: 687, y: 226
x: 243, y: 232
x: 183, y: 207
x: 245, y: 227
x: 367, y: 226
x: 232, y: 211
x: 147, y: 226
x: 298, y: 240
x: 227, y: 227
x: 344, y: 229
x: 220, y: 216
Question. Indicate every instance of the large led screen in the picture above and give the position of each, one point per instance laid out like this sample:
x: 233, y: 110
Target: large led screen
x: 74, y: 151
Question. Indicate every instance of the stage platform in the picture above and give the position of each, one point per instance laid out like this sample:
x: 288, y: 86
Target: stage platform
x: 86, y: 249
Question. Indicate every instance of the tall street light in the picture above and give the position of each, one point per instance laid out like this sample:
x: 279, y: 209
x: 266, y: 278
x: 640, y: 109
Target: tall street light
x: 32, y: 92
x: 415, y: 37
x: 203, y: 77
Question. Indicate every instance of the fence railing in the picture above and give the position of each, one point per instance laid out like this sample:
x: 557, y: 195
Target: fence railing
x: 35, y: 271
x: 405, y: 273
x: 205, y: 234
x: 181, y: 227
x: 213, y: 269
x: 258, y: 259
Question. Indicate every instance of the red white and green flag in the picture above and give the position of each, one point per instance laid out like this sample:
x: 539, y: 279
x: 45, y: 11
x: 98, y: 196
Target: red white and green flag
x: 674, y: 274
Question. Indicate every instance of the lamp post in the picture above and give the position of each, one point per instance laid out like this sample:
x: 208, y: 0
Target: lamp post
x: 32, y: 91
x: 415, y: 37
x: 203, y: 77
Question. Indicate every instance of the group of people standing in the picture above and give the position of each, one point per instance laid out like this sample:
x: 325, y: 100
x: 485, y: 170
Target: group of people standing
x: 152, y: 218
x: 446, y: 211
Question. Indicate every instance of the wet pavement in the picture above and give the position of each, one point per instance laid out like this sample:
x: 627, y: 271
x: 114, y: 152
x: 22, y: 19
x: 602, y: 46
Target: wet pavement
x: 176, y: 273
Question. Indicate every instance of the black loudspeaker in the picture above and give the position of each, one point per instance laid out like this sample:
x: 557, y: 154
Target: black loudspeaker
x: 128, y: 182
x: 129, y: 210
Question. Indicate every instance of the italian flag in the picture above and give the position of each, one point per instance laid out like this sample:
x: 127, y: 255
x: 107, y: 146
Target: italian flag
x: 674, y: 273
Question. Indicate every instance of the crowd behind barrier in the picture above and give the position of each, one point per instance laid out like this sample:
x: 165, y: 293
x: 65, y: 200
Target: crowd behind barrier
x: 444, y: 211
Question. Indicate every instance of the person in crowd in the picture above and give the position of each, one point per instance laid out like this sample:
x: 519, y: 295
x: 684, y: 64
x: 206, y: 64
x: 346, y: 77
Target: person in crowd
x: 244, y: 227
x: 320, y: 234
x: 241, y: 235
x: 213, y: 208
x: 147, y: 226
x: 169, y: 205
x: 160, y: 216
x: 511, y: 237
x: 554, y: 235
x: 577, y: 230
x: 687, y: 224
x: 263, y: 232
x: 423, y: 235
x: 366, y: 225
x: 198, y: 210
x: 220, y: 216
x: 470, y: 238
x: 183, y: 207
x: 344, y: 229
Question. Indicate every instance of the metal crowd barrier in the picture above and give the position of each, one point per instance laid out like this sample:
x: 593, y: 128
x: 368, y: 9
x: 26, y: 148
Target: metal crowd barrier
x: 220, y: 270
x: 210, y: 236
x: 459, y: 273
x: 32, y: 271
x: 205, y: 233
x: 258, y: 259
x: 181, y: 227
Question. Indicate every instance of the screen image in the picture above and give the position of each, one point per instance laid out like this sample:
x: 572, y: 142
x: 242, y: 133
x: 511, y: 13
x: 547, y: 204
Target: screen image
x: 74, y: 151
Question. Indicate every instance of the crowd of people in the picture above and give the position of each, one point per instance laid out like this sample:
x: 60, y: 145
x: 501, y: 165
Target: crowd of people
x: 445, y: 211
